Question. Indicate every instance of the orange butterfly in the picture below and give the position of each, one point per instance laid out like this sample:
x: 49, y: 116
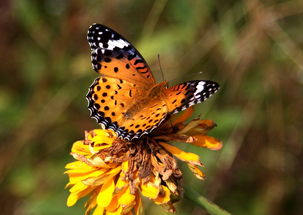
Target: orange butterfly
x: 126, y: 97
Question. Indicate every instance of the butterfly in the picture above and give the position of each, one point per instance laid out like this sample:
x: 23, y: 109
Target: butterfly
x: 125, y: 97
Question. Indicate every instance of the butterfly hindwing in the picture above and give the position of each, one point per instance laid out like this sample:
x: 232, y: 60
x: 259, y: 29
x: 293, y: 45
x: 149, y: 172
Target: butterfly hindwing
x: 114, y: 56
x: 182, y: 96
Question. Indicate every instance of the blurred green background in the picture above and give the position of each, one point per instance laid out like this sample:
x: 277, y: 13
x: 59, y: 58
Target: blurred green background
x: 252, y: 48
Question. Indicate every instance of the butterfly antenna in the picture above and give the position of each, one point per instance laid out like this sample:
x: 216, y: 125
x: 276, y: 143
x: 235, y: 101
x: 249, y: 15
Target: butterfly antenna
x: 163, y: 79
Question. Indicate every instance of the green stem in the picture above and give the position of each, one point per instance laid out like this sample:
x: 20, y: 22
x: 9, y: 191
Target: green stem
x: 210, y: 207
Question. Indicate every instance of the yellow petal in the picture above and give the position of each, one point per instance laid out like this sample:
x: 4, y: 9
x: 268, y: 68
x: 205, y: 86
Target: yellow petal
x: 126, y: 198
x: 82, y: 170
x: 99, y: 210
x: 113, y: 206
x: 184, y: 156
x: 121, y: 181
x: 97, y: 147
x: 78, y: 187
x: 116, y: 212
x: 197, y: 172
x: 125, y: 166
x: 207, y: 142
x: 86, y: 178
x: 76, y: 165
x: 80, y: 148
x: 78, y: 173
x: 106, y: 193
x: 102, y: 178
x: 164, y: 196
x: 98, y: 162
x: 75, y: 196
x: 103, y: 137
x: 94, y: 178
x: 72, y: 199
x: 151, y: 189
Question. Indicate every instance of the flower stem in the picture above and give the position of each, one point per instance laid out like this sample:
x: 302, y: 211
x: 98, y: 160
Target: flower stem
x: 210, y: 207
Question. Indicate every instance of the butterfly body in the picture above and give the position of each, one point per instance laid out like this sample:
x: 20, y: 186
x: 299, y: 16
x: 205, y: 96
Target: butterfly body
x: 126, y: 97
x: 152, y: 97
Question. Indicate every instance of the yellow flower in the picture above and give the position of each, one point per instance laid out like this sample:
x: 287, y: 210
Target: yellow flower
x: 114, y: 173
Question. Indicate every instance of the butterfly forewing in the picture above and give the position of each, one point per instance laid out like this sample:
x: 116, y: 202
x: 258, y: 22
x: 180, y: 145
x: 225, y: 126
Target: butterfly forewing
x: 114, y: 56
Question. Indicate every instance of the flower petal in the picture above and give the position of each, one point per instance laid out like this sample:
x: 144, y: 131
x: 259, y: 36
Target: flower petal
x: 76, y: 165
x: 116, y: 212
x: 103, y: 137
x: 126, y: 198
x: 207, y: 142
x: 75, y: 196
x: 184, y: 156
x: 80, y: 148
x: 113, y: 205
x: 106, y: 193
x: 197, y: 126
x: 121, y: 183
x: 151, y: 188
x: 94, y: 179
x: 78, y: 187
x: 104, y: 177
x: 98, y: 162
x: 85, y: 177
x: 184, y: 116
x: 91, y: 203
x: 78, y: 168
x: 164, y: 196
x: 125, y: 166
x: 99, y: 210
x: 172, y: 187
x: 72, y: 199
x: 197, y: 172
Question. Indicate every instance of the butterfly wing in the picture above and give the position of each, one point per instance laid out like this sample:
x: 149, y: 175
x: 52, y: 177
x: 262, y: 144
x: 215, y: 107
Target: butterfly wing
x: 113, y: 56
x: 125, y: 79
x: 182, y: 96
x: 114, y: 104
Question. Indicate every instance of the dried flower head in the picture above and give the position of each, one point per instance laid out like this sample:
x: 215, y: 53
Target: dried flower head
x: 115, y: 173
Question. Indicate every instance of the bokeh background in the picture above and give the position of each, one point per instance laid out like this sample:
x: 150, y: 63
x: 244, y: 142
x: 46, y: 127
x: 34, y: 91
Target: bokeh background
x: 253, y: 48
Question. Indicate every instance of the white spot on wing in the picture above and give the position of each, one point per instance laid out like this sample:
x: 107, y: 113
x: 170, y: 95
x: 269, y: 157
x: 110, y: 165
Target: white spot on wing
x: 117, y: 43
x: 199, y: 88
